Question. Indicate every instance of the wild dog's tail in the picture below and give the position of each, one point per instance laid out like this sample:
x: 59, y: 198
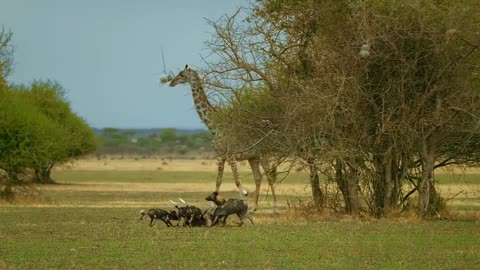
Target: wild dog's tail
x: 184, y: 202
x: 174, y: 203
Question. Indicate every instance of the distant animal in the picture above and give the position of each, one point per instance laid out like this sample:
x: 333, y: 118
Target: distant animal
x: 163, y: 215
x: 228, y: 207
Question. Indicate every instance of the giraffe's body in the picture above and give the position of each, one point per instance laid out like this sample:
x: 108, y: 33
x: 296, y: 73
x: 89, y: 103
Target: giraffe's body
x: 204, y: 110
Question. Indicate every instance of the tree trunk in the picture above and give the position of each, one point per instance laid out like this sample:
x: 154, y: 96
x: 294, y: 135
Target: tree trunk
x: 379, y: 188
x: 318, y: 197
x: 7, y: 193
x: 425, y: 187
x: 352, y: 187
x: 342, y: 183
x: 348, y: 184
x: 389, y: 184
x: 43, y: 175
x: 426, y: 180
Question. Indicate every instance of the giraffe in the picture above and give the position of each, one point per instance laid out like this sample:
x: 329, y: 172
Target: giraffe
x: 204, y: 109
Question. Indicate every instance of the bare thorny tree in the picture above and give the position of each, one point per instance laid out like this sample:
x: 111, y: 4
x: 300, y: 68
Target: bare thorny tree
x: 377, y: 123
x: 6, y: 52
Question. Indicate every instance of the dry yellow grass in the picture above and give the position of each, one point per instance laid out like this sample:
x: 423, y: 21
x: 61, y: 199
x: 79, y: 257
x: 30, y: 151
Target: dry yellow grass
x: 146, y: 164
x: 166, y: 165
x: 286, y: 189
x: 282, y: 189
x: 458, y: 170
x: 200, y: 165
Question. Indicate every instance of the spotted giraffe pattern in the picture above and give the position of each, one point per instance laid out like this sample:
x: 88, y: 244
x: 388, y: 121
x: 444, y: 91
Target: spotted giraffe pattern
x: 204, y: 110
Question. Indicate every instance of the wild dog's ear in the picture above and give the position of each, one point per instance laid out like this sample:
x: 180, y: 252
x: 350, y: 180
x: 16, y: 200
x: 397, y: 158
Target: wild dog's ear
x: 186, y: 66
x: 174, y: 203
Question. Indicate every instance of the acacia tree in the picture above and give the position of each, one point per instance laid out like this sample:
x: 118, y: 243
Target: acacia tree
x: 37, y: 131
x: 377, y: 94
x: 418, y: 70
x: 37, y: 128
x: 26, y: 137
x: 76, y: 139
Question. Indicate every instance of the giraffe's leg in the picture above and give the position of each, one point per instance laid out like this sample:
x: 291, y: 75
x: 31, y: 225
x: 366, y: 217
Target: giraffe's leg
x: 236, y: 176
x: 257, y: 175
x: 271, y: 173
x: 221, y: 166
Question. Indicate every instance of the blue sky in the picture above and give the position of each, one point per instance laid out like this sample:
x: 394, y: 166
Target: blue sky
x: 107, y: 54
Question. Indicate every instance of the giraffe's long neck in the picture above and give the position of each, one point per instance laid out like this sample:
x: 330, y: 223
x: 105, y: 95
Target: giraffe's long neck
x: 202, y: 105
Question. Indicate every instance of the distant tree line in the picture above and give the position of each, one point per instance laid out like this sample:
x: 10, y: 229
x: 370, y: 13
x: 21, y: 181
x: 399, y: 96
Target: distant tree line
x: 38, y: 129
x: 168, y: 141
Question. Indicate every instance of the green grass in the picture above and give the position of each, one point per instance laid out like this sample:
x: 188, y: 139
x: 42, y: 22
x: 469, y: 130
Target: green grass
x: 75, y: 230
x: 458, y: 179
x: 87, y: 238
x: 112, y: 197
x: 138, y: 199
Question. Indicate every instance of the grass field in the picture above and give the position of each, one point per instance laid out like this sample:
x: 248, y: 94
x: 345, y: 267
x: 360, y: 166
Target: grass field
x: 90, y: 221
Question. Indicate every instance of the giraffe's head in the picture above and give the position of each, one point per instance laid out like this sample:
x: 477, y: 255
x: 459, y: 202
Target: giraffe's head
x: 187, y: 75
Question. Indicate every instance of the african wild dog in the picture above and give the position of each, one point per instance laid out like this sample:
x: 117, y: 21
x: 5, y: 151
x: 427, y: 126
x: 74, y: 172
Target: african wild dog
x: 163, y: 215
x: 218, y: 201
x: 228, y: 207
x: 208, y: 215
x: 196, y: 218
x: 192, y: 215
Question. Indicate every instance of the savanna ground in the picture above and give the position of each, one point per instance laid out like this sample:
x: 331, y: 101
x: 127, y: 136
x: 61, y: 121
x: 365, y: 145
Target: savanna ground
x: 90, y: 221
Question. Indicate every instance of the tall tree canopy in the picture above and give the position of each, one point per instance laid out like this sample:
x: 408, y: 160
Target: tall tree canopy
x: 374, y: 94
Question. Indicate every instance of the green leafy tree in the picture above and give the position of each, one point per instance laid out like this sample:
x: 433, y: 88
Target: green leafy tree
x: 168, y: 135
x: 38, y: 130
x: 75, y: 138
x: 27, y: 138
